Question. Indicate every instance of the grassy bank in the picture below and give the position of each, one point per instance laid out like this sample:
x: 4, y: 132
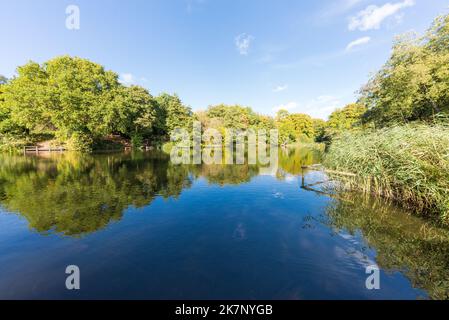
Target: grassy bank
x: 409, y: 164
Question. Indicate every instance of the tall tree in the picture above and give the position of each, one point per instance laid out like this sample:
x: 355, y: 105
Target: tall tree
x: 133, y: 112
x: 296, y: 127
x: 346, y: 118
x: 173, y: 113
x: 414, y: 83
x: 63, y: 96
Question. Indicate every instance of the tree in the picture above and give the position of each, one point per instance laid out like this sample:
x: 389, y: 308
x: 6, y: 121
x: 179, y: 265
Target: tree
x: 295, y: 127
x: 173, y: 114
x: 281, y: 115
x: 346, y: 118
x: 132, y: 113
x: 319, y: 128
x: 3, y: 80
x: 234, y: 117
x: 77, y: 102
x: 341, y: 120
x: 67, y: 97
x: 414, y: 83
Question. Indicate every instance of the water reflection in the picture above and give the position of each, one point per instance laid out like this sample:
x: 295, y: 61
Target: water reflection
x: 419, y: 249
x: 76, y: 195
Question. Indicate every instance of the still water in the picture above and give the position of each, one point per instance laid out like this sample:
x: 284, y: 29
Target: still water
x: 140, y: 227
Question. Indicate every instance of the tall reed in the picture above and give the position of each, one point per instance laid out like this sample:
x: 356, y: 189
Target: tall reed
x: 408, y: 163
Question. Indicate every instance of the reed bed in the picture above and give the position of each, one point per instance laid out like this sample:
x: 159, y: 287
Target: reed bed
x: 408, y: 163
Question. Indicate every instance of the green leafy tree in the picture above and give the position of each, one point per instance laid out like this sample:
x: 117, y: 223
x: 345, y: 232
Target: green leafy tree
x: 282, y: 115
x: 346, y: 118
x: 414, y: 83
x: 133, y: 112
x: 173, y: 114
x: 319, y: 129
x: 342, y: 120
x: 3, y: 79
x: 77, y: 102
x: 66, y: 96
x: 234, y: 117
x: 295, y: 127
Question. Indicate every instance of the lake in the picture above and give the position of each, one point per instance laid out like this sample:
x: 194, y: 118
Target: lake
x: 140, y: 227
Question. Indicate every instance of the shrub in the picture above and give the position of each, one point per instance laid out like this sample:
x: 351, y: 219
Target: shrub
x: 137, y: 141
x: 80, y: 141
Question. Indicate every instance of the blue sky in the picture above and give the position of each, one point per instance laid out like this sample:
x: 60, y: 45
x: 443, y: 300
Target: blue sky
x: 306, y: 56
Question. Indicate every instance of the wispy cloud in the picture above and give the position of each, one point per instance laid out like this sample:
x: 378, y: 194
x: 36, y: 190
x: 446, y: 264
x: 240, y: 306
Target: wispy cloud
x: 243, y: 43
x: 357, y: 43
x: 290, y: 106
x: 127, y: 79
x: 280, y: 88
x: 373, y: 16
x: 320, y: 107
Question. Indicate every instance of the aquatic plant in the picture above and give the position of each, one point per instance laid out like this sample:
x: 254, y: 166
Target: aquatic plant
x: 408, y: 163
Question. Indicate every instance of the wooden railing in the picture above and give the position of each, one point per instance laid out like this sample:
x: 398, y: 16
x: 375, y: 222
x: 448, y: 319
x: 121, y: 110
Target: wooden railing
x: 37, y: 149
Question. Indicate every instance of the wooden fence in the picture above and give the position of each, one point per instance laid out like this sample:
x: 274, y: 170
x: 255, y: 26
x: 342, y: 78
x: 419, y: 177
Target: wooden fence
x: 37, y: 149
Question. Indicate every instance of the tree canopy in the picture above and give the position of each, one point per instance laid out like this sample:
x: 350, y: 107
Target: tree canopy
x: 77, y: 101
x: 296, y: 127
x: 173, y: 113
x: 414, y: 83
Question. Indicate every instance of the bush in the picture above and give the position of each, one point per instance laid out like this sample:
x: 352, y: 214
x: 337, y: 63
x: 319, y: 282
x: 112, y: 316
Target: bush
x: 80, y: 141
x: 137, y: 141
x: 9, y: 143
x: 407, y: 163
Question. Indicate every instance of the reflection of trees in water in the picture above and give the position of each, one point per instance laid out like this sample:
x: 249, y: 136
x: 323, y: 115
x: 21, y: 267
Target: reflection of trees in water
x: 76, y: 194
x: 79, y: 194
x: 291, y: 160
x: 227, y: 174
x: 402, y: 242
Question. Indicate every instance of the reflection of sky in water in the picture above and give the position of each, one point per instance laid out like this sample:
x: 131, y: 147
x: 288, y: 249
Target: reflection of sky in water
x: 262, y: 238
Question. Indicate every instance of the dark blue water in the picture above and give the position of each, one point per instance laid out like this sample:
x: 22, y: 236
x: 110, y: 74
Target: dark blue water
x: 139, y: 227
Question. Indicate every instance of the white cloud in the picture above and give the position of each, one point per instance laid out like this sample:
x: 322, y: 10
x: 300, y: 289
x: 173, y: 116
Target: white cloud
x: 322, y: 106
x: 373, y: 16
x: 288, y: 106
x: 358, y: 42
x: 243, y: 43
x: 280, y: 88
x: 127, y: 79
